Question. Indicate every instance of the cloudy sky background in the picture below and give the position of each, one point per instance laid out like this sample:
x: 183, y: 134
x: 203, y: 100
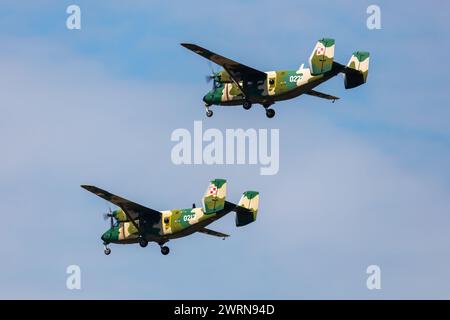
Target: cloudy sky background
x: 362, y: 181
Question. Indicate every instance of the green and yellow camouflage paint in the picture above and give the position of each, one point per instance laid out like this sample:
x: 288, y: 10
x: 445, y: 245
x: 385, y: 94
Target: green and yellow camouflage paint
x: 137, y: 224
x: 321, y: 59
x: 239, y: 84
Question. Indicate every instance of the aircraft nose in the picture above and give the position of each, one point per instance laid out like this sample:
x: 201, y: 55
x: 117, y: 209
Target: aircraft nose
x: 207, y: 98
x: 106, y: 236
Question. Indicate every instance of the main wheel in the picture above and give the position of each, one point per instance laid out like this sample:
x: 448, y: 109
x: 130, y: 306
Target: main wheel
x: 165, y: 250
x: 209, y: 113
x: 247, y: 105
x: 107, y: 251
x: 270, y: 113
x: 143, y: 243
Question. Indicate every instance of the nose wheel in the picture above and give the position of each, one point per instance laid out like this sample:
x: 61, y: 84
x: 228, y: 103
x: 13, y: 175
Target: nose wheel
x: 209, y: 112
x: 107, y: 250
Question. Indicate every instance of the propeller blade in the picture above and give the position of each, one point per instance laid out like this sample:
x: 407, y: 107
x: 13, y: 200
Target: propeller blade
x: 108, y: 214
x: 213, y: 72
x: 211, y: 67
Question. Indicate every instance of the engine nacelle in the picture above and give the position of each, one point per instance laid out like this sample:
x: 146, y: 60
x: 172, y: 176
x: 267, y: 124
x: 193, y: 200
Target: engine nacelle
x: 224, y: 77
x: 119, y: 215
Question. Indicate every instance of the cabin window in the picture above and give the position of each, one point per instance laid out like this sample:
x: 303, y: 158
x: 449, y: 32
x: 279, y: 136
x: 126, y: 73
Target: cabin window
x: 166, y: 220
x: 272, y: 81
x: 217, y: 84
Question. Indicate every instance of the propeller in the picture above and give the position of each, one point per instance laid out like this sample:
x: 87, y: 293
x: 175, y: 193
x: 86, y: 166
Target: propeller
x: 110, y: 216
x: 210, y: 77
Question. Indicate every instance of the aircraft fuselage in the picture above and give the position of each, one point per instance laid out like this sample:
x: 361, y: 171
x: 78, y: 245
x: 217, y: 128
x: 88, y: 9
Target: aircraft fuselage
x: 279, y: 85
x: 173, y: 224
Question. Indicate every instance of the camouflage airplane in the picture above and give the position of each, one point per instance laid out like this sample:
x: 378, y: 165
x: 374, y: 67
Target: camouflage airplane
x: 135, y: 223
x: 239, y: 84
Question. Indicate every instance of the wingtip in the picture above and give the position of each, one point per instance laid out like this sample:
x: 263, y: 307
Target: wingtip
x: 191, y: 46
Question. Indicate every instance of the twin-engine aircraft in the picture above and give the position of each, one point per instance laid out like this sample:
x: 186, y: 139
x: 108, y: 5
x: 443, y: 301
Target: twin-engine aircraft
x: 239, y: 84
x: 134, y: 223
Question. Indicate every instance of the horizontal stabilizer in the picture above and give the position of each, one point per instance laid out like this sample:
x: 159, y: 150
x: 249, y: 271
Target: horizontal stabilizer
x: 213, y: 233
x: 321, y: 95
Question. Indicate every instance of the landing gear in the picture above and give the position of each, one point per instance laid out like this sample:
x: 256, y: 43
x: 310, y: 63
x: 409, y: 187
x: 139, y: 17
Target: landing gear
x: 165, y: 250
x: 209, y: 113
x: 143, y: 243
x: 247, y: 105
x: 270, y: 113
x: 107, y: 250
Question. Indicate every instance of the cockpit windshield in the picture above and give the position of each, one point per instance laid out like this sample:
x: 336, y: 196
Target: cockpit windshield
x: 116, y: 224
x: 217, y: 84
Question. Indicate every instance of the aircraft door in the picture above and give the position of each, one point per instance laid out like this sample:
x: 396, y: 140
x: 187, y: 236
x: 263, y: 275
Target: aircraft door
x: 271, y: 82
x: 166, y: 222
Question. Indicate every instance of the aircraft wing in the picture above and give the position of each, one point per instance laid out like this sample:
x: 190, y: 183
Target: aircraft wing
x: 131, y: 209
x: 213, y: 233
x: 321, y: 95
x: 237, y: 71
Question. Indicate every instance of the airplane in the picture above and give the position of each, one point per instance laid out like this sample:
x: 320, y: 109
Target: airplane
x: 238, y: 84
x: 135, y: 223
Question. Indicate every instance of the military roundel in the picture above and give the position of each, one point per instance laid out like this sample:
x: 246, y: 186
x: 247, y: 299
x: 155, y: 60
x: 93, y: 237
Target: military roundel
x: 213, y: 190
x: 320, y: 51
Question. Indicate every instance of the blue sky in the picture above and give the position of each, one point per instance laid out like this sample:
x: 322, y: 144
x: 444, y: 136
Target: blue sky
x: 362, y: 181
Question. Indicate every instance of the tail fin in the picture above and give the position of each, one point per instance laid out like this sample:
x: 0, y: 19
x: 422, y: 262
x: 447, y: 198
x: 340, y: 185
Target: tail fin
x: 247, y: 208
x: 357, y: 70
x: 321, y: 59
x: 214, y: 198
